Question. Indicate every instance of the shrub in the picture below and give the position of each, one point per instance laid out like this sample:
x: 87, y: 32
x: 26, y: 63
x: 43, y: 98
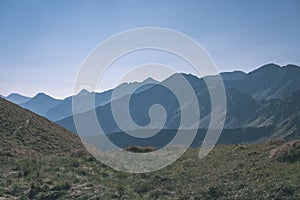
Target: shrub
x: 288, y: 152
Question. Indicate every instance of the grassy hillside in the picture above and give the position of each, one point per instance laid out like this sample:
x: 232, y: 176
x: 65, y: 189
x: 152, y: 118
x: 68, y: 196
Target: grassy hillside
x: 25, y: 133
x: 228, y: 172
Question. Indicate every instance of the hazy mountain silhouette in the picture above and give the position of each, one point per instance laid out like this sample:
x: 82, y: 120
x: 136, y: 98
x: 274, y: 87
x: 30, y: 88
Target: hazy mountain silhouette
x: 262, y: 104
x: 261, y: 98
x: 17, y: 98
x: 64, y: 109
x: 41, y: 104
x: 267, y: 82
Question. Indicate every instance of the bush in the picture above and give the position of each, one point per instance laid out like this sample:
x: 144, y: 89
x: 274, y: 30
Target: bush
x: 139, y: 149
x: 288, y: 152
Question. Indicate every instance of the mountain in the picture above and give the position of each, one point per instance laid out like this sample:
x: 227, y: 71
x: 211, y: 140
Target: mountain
x: 243, y: 111
x: 64, y: 108
x: 269, y: 82
x: 17, y: 98
x: 41, y: 104
x: 23, y: 132
x: 235, y: 75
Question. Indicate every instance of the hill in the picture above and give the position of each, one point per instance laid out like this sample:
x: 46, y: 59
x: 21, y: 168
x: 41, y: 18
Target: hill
x: 23, y: 132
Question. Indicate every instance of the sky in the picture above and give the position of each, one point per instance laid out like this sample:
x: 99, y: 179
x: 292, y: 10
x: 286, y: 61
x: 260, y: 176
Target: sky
x: 44, y: 43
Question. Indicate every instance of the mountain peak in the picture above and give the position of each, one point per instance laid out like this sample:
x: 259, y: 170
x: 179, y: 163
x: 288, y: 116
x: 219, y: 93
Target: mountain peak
x: 83, y: 92
x: 41, y: 103
x: 150, y: 80
x: 270, y: 66
x: 41, y: 94
x: 266, y: 69
x: 13, y: 94
x: 17, y: 98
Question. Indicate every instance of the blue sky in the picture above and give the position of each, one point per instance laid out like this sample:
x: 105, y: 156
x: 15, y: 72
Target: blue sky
x: 43, y: 43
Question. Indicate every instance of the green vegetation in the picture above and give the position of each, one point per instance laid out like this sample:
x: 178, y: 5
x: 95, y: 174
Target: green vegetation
x: 228, y: 172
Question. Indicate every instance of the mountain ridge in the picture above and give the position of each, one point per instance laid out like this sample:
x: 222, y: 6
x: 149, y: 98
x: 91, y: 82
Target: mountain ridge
x: 268, y: 82
x: 41, y: 103
x: 17, y: 98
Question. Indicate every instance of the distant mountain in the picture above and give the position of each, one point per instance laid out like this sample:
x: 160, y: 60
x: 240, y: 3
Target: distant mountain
x: 17, y: 98
x: 23, y: 132
x: 64, y: 108
x: 269, y: 82
x: 41, y: 104
x: 243, y: 111
x: 256, y: 99
x: 235, y: 75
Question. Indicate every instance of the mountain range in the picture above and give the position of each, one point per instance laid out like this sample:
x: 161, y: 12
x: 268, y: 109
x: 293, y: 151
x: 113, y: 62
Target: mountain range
x: 246, y: 107
x: 266, y: 98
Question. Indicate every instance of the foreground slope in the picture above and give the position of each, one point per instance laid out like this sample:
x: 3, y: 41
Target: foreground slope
x: 23, y: 132
x: 228, y: 172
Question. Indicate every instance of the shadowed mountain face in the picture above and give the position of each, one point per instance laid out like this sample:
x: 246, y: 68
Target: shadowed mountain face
x: 243, y: 110
x: 269, y: 82
x: 24, y: 133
